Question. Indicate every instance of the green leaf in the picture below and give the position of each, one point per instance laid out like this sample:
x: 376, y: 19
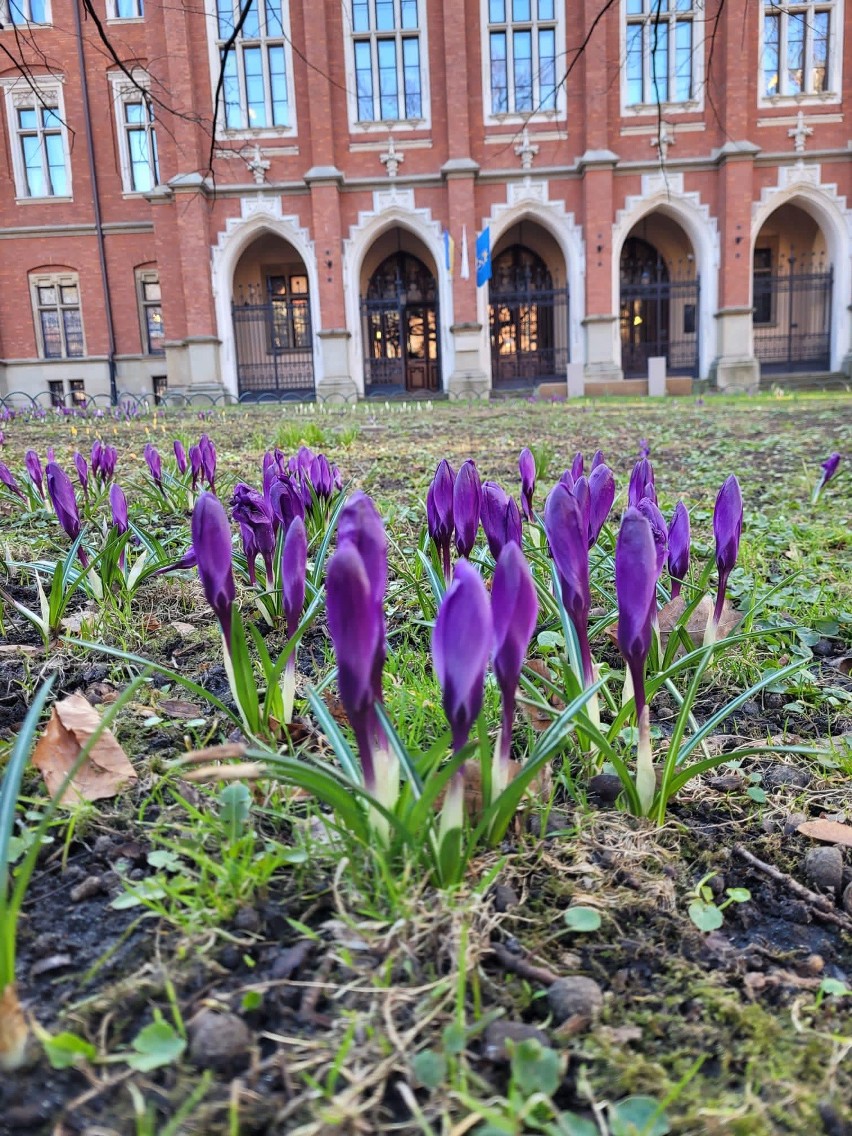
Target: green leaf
x: 164, y: 858
x: 64, y: 1050
x: 834, y: 987
x: 252, y: 1000
x: 430, y: 1069
x: 738, y: 895
x: 454, y: 1038
x: 757, y: 794
x: 536, y: 1068
x: 637, y: 1116
x: 705, y: 916
x: 156, y: 1045
x: 582, y: 919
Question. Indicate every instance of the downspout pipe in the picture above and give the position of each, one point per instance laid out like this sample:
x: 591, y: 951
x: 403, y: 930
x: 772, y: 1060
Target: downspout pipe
x: 96, y: 204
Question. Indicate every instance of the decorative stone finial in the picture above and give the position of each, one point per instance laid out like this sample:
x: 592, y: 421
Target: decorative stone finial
x: 800, y: 134
x: 258, y: 166
x: 526, y: 150
x: 663, y: 139
x: 391, y: 160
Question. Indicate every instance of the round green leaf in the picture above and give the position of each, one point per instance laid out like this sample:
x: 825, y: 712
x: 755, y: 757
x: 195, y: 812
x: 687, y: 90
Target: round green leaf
x: 705, y: 916
x: 582, y: 919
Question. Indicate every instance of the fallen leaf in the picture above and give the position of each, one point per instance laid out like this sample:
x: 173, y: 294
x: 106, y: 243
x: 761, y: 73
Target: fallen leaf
x: 670, y: 613
x: 151, y: 623
x: 844, y: 664
x: 18, y: 649
x: 175, y: 708
x: 182, y: 628
x: 830, y: 831
x: 335, y: 707
x: 105, y: 771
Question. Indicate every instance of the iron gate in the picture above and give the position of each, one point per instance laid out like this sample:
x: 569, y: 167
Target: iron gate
x: 529, y: 336
x: 792, y: 321
x: 659, y: 317
x: 401, y: 345
x: 274, y: 347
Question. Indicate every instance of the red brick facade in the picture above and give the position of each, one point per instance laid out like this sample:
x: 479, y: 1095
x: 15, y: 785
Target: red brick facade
x: 741, y: 198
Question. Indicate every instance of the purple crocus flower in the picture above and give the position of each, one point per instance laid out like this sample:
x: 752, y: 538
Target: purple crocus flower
x: 286, y: 501
x: 568, y: 537
x: 82, y: 472
x: 155, y: 465
x: 8, y: 479
x: 180, y: 455
x: 514, y: 607
x: 211, y: 540
x: 250, y: 551
x: 829, y: 469
x: 104, y: 459
x: 635, y: 589
x: 188, y: 560
x: 361, y: 525
x: 118, y: 506
x: 253, y: 513
x: 577, y: 465
x: 597, y: 459
x: 31, y: 461
x: 601, y: 497
x: 679, y: 538
x: 501, y: 518
x: 439, y: 511
x: 641, y: 483
x: 567, y: 479
x: 644, y: 448
x: 660, y: 530
x: 526, y: 468
x: 467, y: 505
x: 727, y: 529
x: 208, y: 460
x: 321, y: 477
x: 294, y: 562
x: 64, y: 501
x: 195, y: 465
x: 583, y: 498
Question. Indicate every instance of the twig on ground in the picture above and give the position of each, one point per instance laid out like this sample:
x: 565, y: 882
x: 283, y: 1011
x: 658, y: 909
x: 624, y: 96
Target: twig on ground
x: 823, y: 907
x: 520, y: 966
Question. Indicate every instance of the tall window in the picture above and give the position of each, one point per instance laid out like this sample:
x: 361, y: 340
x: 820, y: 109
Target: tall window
x: 388, y: 77
x: 254, y: 92
x: 25, y: 12
x: 522, y: 55
x: 151, y: 313
x: 141, y: 145
x: 43, y: 170
x: 661, y: 51
x: 56, y: 301
x: 798, y: 43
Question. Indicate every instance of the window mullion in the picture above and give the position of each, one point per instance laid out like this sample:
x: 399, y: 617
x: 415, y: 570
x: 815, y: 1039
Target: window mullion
x: 374, y: 64
x: 807, y: 52
x: 671, y: 40
x: 647, y: 48
x: 401, y: 109
x: 782, y: 53
x: 510, y: 65
x: 241, y: 80
x: 535, y: 77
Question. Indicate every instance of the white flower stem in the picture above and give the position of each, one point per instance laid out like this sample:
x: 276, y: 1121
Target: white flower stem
x: 646, y: 778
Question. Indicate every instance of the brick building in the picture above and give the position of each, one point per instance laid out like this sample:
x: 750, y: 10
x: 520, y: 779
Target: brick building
x: 678, y: 187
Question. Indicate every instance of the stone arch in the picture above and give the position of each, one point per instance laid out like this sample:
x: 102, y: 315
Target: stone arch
x: 258, y: 217
x: 800, y: 185
x: 664, y: 193
x: 393, y: 208
x: 529, y: 201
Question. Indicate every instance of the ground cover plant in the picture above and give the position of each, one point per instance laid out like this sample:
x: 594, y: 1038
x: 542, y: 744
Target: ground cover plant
x: 490, y: 769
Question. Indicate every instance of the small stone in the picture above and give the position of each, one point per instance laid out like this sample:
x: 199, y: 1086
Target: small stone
x: 824, y: 868
x: 606, y: 787
x: 576, y: 1000
x: 792, y: 823
x: 846, y: 902
x: 247, y: 919
x: 774, y: 702
x: 750, y: 709
x: 786, y: 775
x: 499, y: 1032
x: 90, y: 886
x: 823, y: 648
x: 505, y: 897
x: 813, y: 964
x: 289, y: 961
x: 102, y: 846
x: 220, y: 1042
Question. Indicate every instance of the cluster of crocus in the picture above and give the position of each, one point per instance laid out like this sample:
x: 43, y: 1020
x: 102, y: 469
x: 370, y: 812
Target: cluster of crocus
x: 104, y: 459
x: 829, y: 469
x: 302, y: 485
x: 355, y: 589
x: 202, y: 464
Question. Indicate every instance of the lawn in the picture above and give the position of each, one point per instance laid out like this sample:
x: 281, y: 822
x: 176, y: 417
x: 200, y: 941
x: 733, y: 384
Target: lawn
x: 240, y: 941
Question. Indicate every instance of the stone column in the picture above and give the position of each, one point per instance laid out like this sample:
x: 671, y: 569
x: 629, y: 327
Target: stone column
x: 470, y: 376
x: 601, y: 322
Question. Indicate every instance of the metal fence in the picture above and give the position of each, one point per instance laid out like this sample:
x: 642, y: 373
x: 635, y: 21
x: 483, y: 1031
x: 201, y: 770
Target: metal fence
x: 274, y: 348
x: 659, y: 317
x: 792, y: 321
x: 529, y: 333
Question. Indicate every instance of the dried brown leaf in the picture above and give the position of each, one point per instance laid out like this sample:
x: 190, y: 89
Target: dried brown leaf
x: 829, y: 831
x: 105, y: 771
x: 176, y: 708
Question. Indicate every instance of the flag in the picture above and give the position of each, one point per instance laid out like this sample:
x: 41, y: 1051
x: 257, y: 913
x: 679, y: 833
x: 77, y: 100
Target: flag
x: 483, y: 257
x: 449, y: 252
x: 464, y: 271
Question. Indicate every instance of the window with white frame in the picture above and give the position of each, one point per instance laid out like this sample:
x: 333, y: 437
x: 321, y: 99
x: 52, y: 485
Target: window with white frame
x: 661, y: 56
x: 522, y: 56
x: 59, y: 324
x: 40, y: 143
x: 150, y: 311
x: 799, y: 48
x: 137, y: 138
x: 255, y: 87
x: 126, y: 9
x: 386, y: 42
x: 22, y: 12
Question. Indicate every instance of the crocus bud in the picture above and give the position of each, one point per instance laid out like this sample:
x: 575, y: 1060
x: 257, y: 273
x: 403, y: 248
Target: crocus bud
x: 601, y: 497
x: 207, y: 453
x: 155, y: 465
x: 678, y: 547
x: 582, y: 497
x: 286, y: 501
x: 461, y: 644
x: 829, y: 469
x: 641, y: 483
x: 467, y: 505
x: 294, y: 561
x: 8, y: 479
x: 118, y: 506
x: 211, y: 541
x: 82, y: 472
x: 33, y: 465
x: 62, y: 497
x: 659, y: 528
x: 195, y: 466
x: 514, y: 608
x: 567, y: 479
x: 501, y: 518
x: 526, y: 468
x: 180, y: 455
x: 568, y: 537
x: 577, y: 465
x: 597, y: 459
x: 321, y: 477
x: 361, y: 524
x: 439, y: 511
x: 635, y: 589
x: 188, y: 560
x: 727, y: 529
x: 251, y: 511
